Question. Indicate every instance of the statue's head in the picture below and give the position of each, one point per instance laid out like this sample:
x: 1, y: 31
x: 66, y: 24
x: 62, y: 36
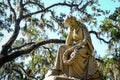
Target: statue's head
x: 71, y: 21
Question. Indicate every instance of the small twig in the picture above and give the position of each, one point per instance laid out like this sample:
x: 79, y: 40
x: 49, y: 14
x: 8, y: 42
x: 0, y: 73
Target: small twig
x: 49, y: 7
x: 35, y: 3
x: 21, y: 68
x: 49, y: 51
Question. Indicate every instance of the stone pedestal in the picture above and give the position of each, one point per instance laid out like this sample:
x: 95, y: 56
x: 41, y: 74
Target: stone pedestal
x: 59, y: 78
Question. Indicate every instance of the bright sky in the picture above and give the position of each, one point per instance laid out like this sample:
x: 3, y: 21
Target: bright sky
x: 100, y: 47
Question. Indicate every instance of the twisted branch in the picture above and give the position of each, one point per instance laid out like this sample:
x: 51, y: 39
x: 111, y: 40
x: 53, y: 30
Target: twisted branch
x: 14, y: 35
x: 11, y: 9
x: 51, y: 56
x: 97, y: 35
x: 18, y: 53
x: 24, y: 45
x: 25, y: 73
x: 35, y: 3
x: 45, y: 9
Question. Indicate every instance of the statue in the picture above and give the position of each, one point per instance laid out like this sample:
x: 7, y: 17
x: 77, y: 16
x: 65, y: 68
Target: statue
x: 74, y: 59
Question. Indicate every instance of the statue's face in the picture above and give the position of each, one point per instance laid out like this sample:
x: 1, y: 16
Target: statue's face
x: 71, y: 21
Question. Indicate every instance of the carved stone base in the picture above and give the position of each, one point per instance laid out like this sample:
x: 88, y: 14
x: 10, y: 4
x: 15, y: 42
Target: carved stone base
x: 59, y: 78
x: 57, y: 75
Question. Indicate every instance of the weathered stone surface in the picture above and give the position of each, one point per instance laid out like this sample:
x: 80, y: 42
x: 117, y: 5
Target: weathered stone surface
x: 58, y: 78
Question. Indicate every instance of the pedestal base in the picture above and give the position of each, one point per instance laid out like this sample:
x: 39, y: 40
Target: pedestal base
x: 59, y: 78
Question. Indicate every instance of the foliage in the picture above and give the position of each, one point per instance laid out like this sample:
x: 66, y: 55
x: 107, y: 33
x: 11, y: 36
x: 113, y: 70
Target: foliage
x: 109, y: 68
x: 111, y: 27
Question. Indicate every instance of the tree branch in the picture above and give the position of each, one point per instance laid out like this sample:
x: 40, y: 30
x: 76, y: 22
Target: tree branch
x: 25, y: 73
x: 21, y: 9
x: 19, y: 72
x: 97, y: 35
x: 12, y: 10
x: 26, y: 44
x: 35, y: 46
x: 51, y: 56
x: 9, y: 43
x: 18, y: 53
x: 45, y: 9
x: 82, y: 9
x: 35, y: 3
x: 11, y: 40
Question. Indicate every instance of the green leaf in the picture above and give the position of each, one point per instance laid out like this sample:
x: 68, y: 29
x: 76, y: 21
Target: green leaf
x: 94, y: 8
x: 1, y: 34
x: 113, y: 31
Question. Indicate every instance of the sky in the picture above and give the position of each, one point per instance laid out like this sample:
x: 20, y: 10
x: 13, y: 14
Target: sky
x: 100, y: 47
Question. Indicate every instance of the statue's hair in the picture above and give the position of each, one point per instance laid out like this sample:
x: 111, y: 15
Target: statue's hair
x: 70, y: 18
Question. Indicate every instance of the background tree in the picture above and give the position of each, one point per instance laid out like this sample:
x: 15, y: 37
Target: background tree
x: 111, y: 27
x: 31, y: 22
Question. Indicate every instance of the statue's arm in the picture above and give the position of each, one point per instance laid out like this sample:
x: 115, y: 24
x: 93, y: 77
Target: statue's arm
x: 86, y: 37
x: 69, y: 40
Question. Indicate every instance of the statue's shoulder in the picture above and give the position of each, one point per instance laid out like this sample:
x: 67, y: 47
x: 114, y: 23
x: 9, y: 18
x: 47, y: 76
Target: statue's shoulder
x: 82, y: 25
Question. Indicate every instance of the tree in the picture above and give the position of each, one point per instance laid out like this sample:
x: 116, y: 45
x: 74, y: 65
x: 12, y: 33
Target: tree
x: 111, y: 27
x: 31, y: 18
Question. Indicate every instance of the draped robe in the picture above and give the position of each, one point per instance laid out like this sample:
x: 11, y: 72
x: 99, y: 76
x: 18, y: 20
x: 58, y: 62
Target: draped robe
x: 83, y: 65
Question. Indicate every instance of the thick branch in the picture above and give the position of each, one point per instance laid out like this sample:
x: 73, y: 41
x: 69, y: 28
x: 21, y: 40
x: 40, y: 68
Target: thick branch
x: 21, y: 10
x: 12, y: 10
x: 35, y: 46
x: 24, y: 45
x: 18, y: 53
x: 14, y: 35
x: 16, y: 30
x: 11, y: 40
x: 97, y: 35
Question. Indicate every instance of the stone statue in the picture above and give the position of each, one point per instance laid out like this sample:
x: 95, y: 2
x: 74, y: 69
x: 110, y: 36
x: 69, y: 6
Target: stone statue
x: 74, y: 59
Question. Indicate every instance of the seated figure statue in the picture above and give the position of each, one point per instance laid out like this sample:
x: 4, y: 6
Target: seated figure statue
x: 74, y: 59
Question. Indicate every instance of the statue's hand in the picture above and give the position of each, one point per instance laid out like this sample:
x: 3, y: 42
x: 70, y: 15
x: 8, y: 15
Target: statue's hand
x: 69, y: 50
x: 67, y: 54
x: 70, y: 57
x: 74, y: 54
